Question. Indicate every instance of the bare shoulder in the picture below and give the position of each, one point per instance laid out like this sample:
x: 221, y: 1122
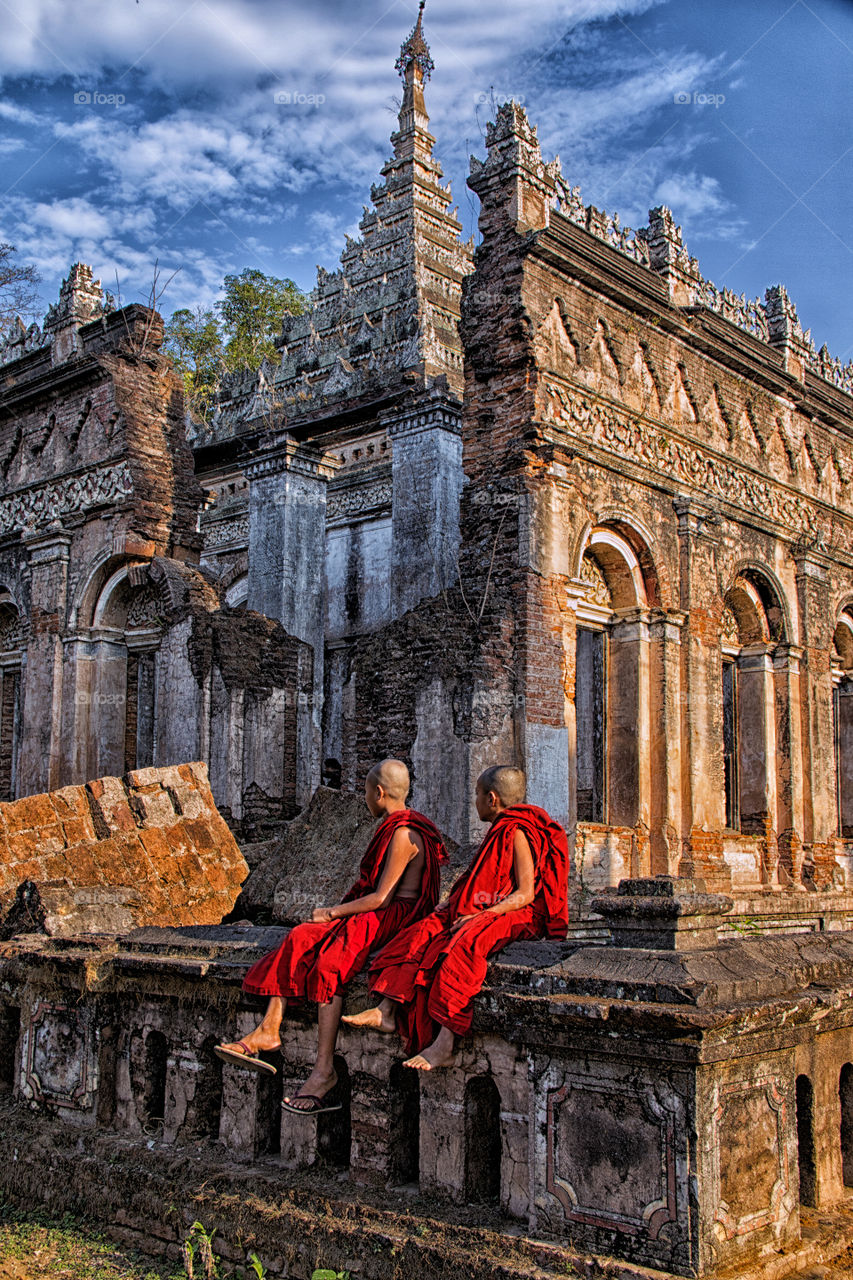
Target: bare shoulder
x: 520, y: 843
x: 409, y: 839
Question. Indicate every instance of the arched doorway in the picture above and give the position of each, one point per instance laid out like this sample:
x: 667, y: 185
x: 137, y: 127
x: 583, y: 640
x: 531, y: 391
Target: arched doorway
x: 127, y: 627
x: 752, y: 629
x: 612, y: 683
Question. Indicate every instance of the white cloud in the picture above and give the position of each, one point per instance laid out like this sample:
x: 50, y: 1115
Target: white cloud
x: 201, y: 154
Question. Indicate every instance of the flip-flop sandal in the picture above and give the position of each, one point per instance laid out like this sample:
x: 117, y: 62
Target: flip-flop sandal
x: 317, y: 1107
x: 244, y: 1056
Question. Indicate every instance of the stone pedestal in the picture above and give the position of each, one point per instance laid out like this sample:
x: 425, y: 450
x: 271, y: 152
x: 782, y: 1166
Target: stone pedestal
x: 663, y: 914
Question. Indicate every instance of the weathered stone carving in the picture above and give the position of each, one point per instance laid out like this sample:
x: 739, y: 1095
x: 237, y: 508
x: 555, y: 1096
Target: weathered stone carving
x: 599, y: 592
x: 682, y: 462
x: 38, y: 506
x: 352, y: 502
x: 226, y: 533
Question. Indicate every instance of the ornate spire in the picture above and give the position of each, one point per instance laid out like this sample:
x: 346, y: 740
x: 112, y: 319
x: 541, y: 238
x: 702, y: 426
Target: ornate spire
x: 415, y: 51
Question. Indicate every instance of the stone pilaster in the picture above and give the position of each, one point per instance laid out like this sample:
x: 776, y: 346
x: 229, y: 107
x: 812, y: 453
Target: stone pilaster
x: 39, y: 759
x: 427, y: 486
x: 665, y: 715
x: 789, y: 756
x: 820, y: 801
x: 287, y: 545
x: 703, y: 817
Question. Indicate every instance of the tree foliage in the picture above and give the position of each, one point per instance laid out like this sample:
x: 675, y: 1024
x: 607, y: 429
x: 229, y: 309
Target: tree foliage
x: 18, y: 289
x: 237, y: 333
x: 194, y: 341
x: 251, y: 313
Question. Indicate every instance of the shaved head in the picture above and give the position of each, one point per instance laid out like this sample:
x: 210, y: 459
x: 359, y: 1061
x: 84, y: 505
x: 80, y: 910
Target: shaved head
x: 393, y: 777
x: 508, y: 783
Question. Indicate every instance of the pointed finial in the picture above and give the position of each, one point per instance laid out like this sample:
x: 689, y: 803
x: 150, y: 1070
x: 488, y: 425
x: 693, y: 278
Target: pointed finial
x: 416, y: 50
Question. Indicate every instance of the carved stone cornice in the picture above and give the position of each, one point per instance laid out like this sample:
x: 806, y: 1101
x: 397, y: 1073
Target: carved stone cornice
x: 358, y: 501
x: 661, y: 450
x: 282, y: 453
x: 70, y: 495
x: 226, y: 533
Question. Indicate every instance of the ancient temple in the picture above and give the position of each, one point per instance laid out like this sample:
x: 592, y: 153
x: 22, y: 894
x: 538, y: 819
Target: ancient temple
x: 559, y: 501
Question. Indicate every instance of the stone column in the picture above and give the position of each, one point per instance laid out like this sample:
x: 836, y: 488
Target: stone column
x: 789, y: 764
x: 703, y: 812
x: 287, y: 549
x: 39, y: 759
x: 819, y: 781
x: 757, y: 742
x: 427, y: 476
x: 665, y: 711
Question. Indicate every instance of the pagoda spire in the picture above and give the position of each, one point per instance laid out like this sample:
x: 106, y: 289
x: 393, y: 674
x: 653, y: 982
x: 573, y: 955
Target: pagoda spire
x: 414, y: 65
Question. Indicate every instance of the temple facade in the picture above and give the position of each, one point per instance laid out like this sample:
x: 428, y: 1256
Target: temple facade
x: 559, y: 501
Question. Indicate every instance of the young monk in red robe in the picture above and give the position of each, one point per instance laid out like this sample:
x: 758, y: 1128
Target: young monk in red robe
x: 516, y: 887
x: 399, y: 882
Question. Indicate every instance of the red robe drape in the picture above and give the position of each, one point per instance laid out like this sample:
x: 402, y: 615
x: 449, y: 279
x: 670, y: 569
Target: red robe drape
x: 317, y: 961
x: 434, y: 974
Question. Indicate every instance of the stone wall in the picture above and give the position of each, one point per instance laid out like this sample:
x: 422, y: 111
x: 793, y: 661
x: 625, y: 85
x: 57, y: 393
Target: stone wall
x: 664, y: 1102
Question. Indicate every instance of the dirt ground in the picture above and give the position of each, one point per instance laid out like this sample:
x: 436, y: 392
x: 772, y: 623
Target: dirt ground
x: 36, y: 1247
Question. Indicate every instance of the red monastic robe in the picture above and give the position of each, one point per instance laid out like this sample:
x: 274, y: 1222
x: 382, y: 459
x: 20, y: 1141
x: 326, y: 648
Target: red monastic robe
x: 317, y: 961
x: 435, y: 974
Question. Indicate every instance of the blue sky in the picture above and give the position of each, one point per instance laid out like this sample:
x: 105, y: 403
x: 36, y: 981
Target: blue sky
x: 735, y: 114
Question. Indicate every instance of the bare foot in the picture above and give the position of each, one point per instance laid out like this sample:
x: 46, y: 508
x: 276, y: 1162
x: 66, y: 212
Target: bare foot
x: 377, y: 1019
x: 439, y: 1054
x: 318, y: 1084
x: 259, y: 1041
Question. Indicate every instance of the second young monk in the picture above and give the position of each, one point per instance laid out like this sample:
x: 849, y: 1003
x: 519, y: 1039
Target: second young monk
x: 515, y: 887
x: 399, y: 882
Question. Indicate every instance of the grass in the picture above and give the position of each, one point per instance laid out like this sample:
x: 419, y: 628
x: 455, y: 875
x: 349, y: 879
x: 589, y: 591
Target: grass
x: 34, y: 1246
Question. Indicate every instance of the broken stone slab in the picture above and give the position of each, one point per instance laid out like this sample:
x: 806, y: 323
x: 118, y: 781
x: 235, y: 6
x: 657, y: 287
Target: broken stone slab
x: 116, y: 853
x: 61, y: 910
x: 663, y: 913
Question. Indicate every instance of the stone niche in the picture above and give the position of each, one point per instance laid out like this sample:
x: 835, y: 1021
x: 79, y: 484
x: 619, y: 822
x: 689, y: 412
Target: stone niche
x: 612, y: 1157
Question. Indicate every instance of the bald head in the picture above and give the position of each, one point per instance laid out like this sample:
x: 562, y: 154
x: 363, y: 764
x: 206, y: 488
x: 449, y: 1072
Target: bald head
x: 393, y: 777
x: 508, y: 783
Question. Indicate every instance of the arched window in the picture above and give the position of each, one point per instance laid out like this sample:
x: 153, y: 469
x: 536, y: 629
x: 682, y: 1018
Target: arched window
x: 127, y: 620
x: 842, y: 678
x: 10, y: 1032
x: 238, y: 593
x: 11, y: 650
x: 752, y: 626
x: 334, y: 1129
x: 155, y: 1067
x: 404, y: 1142
x: 611, y: 683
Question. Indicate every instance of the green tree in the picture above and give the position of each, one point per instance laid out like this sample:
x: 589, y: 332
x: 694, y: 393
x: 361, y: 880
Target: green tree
x: 251, y: 313
x: 194, y: 341
x: 18, y: 289
x: 238, y: 333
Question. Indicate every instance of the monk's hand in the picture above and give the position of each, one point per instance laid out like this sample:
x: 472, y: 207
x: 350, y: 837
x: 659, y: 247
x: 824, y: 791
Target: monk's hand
x: 322, y: 915
x: 459, y: 922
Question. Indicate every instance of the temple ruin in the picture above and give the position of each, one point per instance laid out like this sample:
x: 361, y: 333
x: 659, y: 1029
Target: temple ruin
x: 594, y: 514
